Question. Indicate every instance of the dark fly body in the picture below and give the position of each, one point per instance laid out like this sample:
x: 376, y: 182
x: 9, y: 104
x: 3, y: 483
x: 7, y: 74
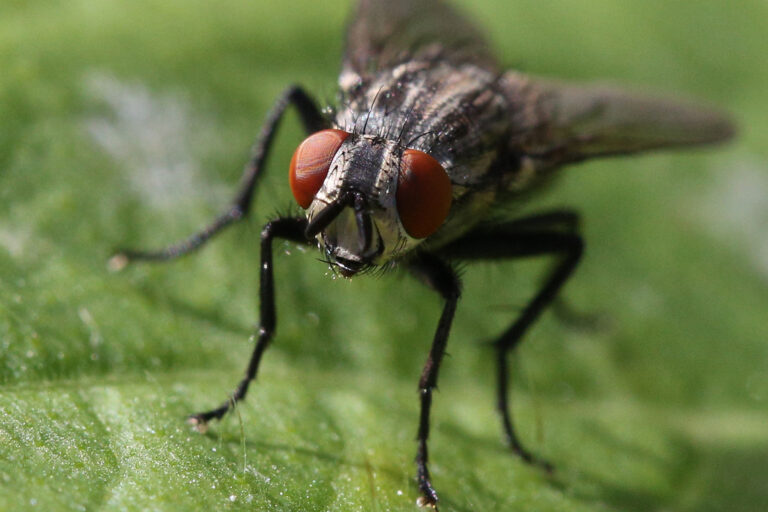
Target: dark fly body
x: 429, y: 135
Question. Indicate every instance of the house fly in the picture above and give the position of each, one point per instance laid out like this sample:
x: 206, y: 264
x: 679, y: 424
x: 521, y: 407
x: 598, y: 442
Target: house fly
x: 429, y: 135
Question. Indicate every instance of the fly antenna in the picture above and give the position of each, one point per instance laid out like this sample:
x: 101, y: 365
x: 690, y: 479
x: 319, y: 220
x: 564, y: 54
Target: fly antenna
x: 363, y: 219
x: 320, y: 221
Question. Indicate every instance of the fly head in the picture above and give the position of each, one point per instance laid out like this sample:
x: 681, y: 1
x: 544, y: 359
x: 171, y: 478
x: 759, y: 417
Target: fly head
x: 368, y: 200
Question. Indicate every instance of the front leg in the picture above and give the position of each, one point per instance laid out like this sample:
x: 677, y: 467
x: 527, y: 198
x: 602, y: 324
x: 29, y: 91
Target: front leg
x: 442, y: 278
x: 311, y: 118
x: 287, y: 228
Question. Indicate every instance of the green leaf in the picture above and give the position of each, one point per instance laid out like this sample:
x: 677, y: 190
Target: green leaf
x: 127, y: 124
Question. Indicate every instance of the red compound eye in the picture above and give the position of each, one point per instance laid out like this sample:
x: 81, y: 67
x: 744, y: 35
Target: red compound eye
x: 310, y: 163
x: 423, y: 194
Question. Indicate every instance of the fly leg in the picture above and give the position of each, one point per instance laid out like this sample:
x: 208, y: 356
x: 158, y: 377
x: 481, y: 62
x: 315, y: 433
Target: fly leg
x: 442, y: 278
x: 527, y: 237
x: 568, y: 221
x: 311, y: 118
x: 287, y: 228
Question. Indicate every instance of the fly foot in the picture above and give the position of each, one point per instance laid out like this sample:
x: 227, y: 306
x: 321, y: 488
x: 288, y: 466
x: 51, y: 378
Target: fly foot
x: 198, y: 422
x: 428, y: 501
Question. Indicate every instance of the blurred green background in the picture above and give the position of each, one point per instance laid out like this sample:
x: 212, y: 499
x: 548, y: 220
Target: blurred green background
x: 127, y: 123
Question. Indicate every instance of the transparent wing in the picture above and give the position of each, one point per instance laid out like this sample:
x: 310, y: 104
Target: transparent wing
x: 560, y: 123
x: 385, y: 33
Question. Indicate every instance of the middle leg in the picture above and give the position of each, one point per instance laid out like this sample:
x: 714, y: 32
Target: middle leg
x: 521, y: 239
